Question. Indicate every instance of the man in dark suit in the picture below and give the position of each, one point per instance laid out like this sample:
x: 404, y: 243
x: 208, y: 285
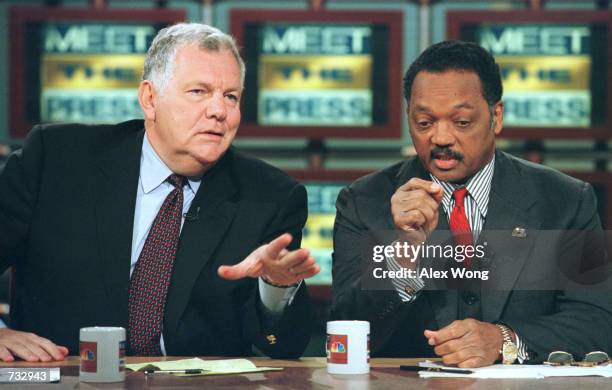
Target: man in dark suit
x: 157, y: 226
x: 515, y: 296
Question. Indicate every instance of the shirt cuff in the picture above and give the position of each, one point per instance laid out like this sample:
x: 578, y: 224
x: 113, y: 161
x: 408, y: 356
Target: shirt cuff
x: 407, y: 288
x: 162, y: 345
x: 521, y: 346
x: 275, y: 299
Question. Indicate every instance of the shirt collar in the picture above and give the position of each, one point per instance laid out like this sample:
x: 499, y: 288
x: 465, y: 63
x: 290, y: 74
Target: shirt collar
x: 154, y: 172
x: 478, y: 186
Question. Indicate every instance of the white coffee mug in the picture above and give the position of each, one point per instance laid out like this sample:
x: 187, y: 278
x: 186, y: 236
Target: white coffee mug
x: 102, y: 350
x: 348, y: 347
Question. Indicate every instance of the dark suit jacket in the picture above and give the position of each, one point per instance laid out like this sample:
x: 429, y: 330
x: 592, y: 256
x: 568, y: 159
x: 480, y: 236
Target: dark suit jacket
x: 521, y: 291
x: 67, y: 204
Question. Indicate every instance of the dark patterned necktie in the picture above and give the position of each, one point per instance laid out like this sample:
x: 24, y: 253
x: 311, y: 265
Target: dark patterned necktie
x: 459, y: 224
x: 151, y: 277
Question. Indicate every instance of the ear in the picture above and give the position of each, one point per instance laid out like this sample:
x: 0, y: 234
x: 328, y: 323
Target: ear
x: 498, y: 117
x: 147, y: 99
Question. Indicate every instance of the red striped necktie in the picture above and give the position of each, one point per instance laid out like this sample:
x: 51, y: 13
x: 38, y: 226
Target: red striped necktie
x: 151, y: 277
x: 459, y: 224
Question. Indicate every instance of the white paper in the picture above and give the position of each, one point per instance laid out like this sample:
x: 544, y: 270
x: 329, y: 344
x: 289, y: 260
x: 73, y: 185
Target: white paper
x: 518, y: 371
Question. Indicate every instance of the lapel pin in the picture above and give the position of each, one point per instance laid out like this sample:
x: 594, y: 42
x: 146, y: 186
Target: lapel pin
x: 519, y: 232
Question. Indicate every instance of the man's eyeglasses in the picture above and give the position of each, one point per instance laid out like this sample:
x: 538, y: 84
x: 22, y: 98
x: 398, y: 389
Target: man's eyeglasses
x: 561, y: 358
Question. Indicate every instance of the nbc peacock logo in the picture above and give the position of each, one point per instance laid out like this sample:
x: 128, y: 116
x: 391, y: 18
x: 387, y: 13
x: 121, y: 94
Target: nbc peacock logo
x: 338, y: 347
x: 88, y: 351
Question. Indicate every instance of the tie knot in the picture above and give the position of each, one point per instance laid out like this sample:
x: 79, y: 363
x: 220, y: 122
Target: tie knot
x: 177, y: 181
x: 459, y: 194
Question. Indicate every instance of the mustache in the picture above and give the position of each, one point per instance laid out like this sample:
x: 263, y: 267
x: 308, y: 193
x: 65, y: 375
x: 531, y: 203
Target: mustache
x: 446, y: 151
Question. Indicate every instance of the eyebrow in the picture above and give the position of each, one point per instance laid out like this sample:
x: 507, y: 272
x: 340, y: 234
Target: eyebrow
x: 209, y: 86
x: 463, y: 105
x: 198, y: 83
x: 421, y: 108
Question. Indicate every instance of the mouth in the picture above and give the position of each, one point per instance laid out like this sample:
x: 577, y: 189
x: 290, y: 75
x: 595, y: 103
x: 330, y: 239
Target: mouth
x: 213, y: 134
x: 444, y: 161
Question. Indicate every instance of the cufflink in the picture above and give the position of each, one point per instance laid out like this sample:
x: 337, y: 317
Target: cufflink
x: 519, y: 232
x: 271, y: 339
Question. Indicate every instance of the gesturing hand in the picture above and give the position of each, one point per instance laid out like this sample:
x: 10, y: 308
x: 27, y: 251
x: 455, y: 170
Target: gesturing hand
x: 414, y: 207
x: 274, y: 263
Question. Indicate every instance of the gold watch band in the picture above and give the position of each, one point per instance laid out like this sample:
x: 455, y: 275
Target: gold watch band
x: 509, y: 350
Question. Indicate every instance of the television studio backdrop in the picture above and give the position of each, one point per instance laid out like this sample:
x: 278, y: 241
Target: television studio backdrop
x: 323, y: 96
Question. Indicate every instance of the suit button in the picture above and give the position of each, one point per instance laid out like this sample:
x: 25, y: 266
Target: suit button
x: 469, y: 298
x: 271, y: 339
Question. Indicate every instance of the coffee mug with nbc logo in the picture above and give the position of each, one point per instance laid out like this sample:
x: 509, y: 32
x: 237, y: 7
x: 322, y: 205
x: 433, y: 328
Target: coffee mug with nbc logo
x: 348, y: 347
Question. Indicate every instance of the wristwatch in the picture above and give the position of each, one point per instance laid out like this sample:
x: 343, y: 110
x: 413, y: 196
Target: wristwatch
x: 509, y: 351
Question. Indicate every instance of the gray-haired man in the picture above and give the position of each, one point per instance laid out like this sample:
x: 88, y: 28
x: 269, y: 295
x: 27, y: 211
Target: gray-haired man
x: 160, y: 227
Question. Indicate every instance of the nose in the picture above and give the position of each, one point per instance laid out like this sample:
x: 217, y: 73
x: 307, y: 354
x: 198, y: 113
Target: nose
x: 215, y: 107
x: 442, y: 134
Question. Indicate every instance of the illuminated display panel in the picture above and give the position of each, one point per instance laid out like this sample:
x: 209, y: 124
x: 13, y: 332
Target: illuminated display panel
x: 322, y: 188
x: 318, y: 232
x: 313, y: 74
x: 79, y: 65
x: 554, y: 65
x: 320, y: 74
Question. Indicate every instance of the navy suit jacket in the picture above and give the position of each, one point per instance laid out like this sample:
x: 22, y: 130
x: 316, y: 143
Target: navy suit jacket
x: 66, y: 217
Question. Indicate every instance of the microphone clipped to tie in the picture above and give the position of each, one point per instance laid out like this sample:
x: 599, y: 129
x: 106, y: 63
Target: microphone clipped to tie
x: 192, y: 215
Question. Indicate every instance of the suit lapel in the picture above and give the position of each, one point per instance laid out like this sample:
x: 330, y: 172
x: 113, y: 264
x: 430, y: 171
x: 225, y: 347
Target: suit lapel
x: 509, y: 202
x: 115, y: 189
x: 200, y: 238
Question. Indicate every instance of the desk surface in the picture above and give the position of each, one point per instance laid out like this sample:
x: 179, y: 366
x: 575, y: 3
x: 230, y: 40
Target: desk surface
x: 306, y: 373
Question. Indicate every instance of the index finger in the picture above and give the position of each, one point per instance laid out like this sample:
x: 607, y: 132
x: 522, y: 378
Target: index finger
x: 276, y: 246
x: 430, y: 187
x: 58, y: 352
x: 455, y: 330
